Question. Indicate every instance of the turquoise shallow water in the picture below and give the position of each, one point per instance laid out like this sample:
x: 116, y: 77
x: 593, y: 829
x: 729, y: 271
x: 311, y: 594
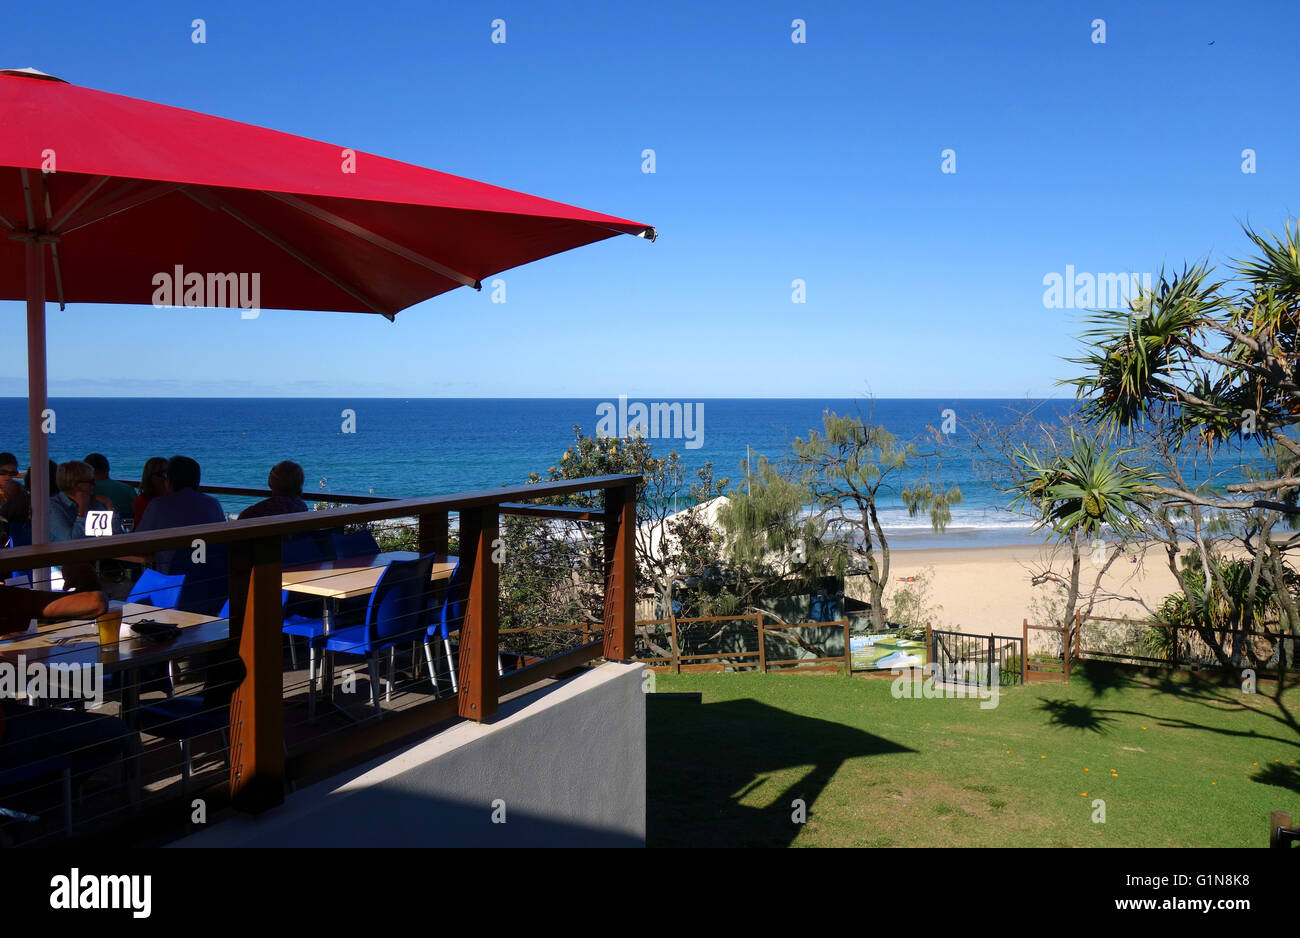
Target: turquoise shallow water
x: 438, y: 446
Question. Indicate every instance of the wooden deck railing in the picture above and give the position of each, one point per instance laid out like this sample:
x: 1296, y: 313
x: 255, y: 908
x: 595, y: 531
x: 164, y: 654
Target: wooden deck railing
x: 259, y: 767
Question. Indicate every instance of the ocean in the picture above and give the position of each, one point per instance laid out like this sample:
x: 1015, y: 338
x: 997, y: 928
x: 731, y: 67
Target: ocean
x: 440, y: 446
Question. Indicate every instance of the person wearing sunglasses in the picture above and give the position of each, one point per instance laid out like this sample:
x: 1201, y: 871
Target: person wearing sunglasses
x: 153, y: 484
x: 76, y: 498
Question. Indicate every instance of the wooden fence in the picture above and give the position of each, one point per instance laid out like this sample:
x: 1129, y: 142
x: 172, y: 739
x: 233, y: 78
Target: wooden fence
x: 1180, y: 639
x: 720, y: 659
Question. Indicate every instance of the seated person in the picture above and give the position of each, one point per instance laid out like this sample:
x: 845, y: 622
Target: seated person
x: 8, y: 467
x: 183, y: 507
x: 29, y: 734
x: 119, y: 493
x: 76, y: 498
x: 15, y: 511
x: 54, y: 485
x: 153, y: 483
x: 285, y: 481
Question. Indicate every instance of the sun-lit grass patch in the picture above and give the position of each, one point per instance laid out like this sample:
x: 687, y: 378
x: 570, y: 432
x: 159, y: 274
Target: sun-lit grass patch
x: 1199, y: 767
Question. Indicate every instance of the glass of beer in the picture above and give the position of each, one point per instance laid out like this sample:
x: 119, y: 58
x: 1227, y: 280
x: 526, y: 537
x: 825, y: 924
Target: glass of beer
x: 110, y: 627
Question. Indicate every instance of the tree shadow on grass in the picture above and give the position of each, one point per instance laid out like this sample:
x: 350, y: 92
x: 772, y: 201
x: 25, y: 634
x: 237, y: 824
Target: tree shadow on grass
x: 1219, y: 698
x: 703, y: 759
x: 1071, y: 715
x: 1103, y: 677
x: 1283, y: 776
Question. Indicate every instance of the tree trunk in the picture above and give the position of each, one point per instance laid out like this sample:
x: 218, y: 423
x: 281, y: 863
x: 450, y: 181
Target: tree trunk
x: 1072, y: 596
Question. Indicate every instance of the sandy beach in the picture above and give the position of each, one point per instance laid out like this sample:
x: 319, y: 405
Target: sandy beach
x: 988, y: 589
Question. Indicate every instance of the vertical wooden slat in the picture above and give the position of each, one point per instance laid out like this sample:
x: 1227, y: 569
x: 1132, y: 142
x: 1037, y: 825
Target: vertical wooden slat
x: 433, y: 533
x: 1078, y: 633
x: 848, y: 662
x: 478, y: 635
x: 257, y: 705
x: 1024, y: 651
x: 1065, y: 649
x: 1173, y: 650
x: 677, y: 660
x: 762, y: 644
x: 929, y: 644
x: 620, y: 571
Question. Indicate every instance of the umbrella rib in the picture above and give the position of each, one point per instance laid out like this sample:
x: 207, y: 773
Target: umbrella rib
x: 54, y: 244
x: 92, y: 186
x: 289, y: 249
x: 378, y: 240
x: 108, y: 207
x: 27, y: 200
x: 58, y: 275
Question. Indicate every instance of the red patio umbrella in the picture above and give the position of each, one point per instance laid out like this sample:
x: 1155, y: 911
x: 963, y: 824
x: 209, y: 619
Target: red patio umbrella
x: 124, y: 191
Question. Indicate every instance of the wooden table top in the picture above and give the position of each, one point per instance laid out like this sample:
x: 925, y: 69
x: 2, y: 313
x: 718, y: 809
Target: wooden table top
x: 75, y: 642
x: 353, y: 576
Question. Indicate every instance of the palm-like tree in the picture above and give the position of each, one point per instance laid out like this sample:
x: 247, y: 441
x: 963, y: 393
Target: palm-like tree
x: 1081, y: 493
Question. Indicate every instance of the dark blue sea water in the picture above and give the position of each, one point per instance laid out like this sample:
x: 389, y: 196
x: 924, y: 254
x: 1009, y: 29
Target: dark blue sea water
x: 439, y: 446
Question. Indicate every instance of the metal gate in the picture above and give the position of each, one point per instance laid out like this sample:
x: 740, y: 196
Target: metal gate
x: 961, y: 658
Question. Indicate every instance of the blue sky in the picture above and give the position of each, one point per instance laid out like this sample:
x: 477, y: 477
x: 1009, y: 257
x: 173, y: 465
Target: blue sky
x: 774, y: 161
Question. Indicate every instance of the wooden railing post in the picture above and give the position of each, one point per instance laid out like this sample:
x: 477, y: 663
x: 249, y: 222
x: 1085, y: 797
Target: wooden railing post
x: 257, y: 705
x: 848, y: 663
x: 762, y: 645
x: 1024, y: 651
x: 479, y: 540
x: 433, y: 533
x: 1065, y: 650
x: 620, y: 572
x: 1277, y: 822
x: 677, y: 652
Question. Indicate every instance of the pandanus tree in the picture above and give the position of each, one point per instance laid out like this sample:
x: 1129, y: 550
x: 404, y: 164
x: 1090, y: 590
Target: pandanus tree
x: 1206, y: 362
x: 1082, y: 494
x: 823, y: 508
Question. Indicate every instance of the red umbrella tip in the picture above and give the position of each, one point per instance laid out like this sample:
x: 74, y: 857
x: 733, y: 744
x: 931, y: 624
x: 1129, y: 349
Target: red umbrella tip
x: 29, y: 72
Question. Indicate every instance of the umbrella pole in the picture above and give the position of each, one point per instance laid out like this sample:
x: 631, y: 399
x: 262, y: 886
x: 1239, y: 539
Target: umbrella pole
x: 36, y: 399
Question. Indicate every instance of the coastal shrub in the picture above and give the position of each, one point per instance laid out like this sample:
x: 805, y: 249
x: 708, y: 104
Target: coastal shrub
x: 912, y: 606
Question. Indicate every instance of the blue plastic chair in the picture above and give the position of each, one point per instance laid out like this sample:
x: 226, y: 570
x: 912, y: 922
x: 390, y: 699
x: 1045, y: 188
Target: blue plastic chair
x: 157, y: 589
x: 206, y: 583
x: 451, y: 615
x: 294, y: 625
x: 299, y: 549
x: 398, y: 611
x: 182, y: 719
x: 356, y: 544
x: 20, y: 535
x: 59, y: 765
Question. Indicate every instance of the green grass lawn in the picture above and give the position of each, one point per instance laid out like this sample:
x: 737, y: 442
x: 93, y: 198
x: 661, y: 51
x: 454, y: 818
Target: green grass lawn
x: 1177, y: 763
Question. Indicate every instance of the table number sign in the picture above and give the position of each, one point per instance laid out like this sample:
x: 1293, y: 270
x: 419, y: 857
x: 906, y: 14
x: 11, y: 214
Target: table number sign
x: 99, y: 523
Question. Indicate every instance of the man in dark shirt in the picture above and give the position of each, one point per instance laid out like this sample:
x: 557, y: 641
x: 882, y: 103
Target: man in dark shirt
x: 285, y: 481
x: 185, y: 506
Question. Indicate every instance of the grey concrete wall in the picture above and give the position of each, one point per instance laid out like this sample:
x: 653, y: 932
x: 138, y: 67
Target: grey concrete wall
x: 567, y: 764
